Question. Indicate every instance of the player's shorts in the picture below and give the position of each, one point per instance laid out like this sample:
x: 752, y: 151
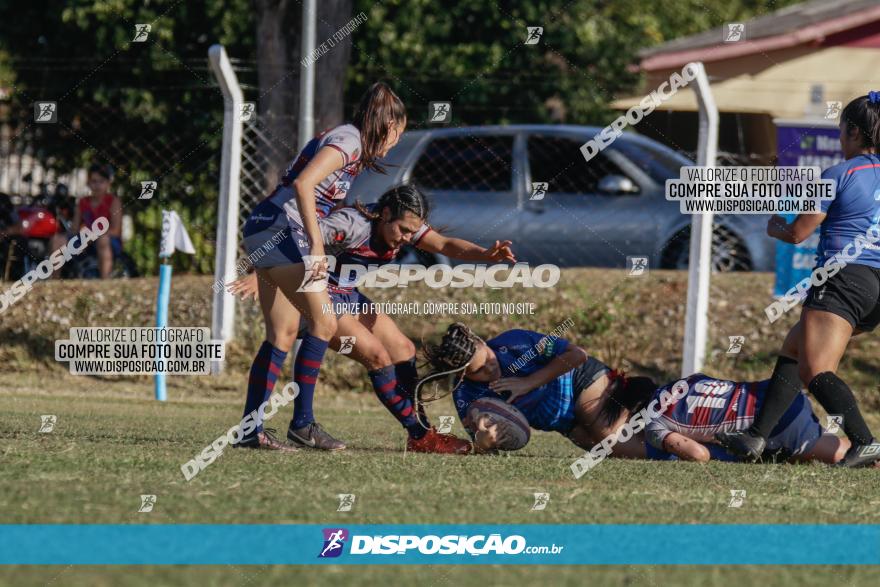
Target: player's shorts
x: 116, y: 245
x: 270, y: 240
x: 853, y: 293
x: 348, y: 301
x: 798, y: 431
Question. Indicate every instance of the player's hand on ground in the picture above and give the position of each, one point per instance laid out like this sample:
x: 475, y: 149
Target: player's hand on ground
x: 516, y: 386
x: 245, y: 287
x: 501, y: 251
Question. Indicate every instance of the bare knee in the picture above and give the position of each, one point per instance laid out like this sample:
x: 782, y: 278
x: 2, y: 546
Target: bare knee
x: 702, y: 455
x: 282, y: 337
x: 323, y: 326
x: 372, y: 356
x: 58, y: 240
x: 841, y: 451
x: 807, y: 371
x: 282, y: 341
x: 402, y: 349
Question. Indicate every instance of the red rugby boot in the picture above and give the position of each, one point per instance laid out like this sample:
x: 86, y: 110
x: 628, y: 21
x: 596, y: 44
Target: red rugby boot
x: 435, y: 442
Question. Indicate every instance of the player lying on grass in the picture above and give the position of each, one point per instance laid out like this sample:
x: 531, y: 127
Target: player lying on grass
x: 686, y: 428
x: 564, y: 390
x: 372, y: 235
x: 555, y: 384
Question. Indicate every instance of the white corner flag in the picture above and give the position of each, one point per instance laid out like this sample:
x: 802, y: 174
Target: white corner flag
x: 174, y: 235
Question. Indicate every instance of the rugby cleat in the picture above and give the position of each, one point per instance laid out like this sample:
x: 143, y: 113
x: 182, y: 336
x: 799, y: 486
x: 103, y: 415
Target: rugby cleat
x: 314, y: 436
x: 266, y: 440
x: 742, y: 444
x: 861, y: 455
x: 434, y: 442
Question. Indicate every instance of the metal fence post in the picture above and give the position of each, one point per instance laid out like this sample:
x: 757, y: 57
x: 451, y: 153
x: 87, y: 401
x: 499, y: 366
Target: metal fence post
x: 700, y: 260
x: 223, y: 312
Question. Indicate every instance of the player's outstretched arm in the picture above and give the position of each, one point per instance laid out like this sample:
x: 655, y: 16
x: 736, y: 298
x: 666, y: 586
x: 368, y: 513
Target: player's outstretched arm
x: 798, y: 231
x: 562, y: 363
x: 456, y: 248
x: 685, y: 448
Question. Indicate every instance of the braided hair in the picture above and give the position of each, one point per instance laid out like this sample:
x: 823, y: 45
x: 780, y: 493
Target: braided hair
x: 863, y: 113
x: 455, y: 350
x: 451, y: 356
x: 399, y: 201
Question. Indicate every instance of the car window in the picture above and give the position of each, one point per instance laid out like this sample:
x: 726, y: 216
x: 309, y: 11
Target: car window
x: 559, y: 162
x: 657, y: 163
x: 468, y: 163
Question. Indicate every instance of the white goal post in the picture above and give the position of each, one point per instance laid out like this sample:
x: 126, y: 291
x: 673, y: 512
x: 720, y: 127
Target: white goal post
x: 700, y: 260
x: 223, y: 307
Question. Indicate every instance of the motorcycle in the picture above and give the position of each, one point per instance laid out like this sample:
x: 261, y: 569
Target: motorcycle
x: 30, y: 230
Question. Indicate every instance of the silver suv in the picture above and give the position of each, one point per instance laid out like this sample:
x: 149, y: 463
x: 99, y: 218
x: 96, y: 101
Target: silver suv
x: 482, y: 183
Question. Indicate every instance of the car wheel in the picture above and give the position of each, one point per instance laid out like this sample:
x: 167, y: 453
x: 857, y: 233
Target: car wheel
x: 728, y: 251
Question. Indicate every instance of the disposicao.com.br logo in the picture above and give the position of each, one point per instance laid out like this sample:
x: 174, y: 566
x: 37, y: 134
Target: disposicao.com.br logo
x: 452, y: 544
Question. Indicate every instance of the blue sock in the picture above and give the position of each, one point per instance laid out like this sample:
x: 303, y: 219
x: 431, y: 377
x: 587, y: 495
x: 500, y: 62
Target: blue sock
x: 407, y: 377
x: 305, y: 374
x: 264, y: 372
x: 395, y: 400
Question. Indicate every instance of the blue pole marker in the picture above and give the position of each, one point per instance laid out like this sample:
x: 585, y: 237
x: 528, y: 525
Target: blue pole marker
x: 162, y: 320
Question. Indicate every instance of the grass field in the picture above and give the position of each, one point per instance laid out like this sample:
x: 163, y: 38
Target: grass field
x: 112, y: 443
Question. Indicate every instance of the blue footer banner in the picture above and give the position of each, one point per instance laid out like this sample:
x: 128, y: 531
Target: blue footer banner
x: 240, y: 544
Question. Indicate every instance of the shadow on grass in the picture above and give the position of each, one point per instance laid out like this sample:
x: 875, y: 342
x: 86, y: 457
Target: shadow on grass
x: 39, y: 348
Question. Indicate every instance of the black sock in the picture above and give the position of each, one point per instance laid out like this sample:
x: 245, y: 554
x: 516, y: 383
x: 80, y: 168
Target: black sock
x: 838, y: 399
x: 784, y: 386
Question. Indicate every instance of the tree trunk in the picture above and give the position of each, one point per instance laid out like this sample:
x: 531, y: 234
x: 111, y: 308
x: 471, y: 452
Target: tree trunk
x: 279, y: 27
x: 332, y: 67
x: 278, y: 49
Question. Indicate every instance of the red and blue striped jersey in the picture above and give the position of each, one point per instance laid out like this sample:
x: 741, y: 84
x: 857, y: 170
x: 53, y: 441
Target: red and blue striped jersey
x: 349, y: 236
x: 331, y: 190
x: 709, y: 406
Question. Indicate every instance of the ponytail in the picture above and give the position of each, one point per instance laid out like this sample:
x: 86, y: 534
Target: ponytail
x: 379, y: 108
x: 627, y: 393
x: 863, y: 113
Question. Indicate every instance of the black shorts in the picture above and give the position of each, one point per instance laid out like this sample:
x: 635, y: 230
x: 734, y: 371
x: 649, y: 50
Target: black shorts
x: 853, y: 294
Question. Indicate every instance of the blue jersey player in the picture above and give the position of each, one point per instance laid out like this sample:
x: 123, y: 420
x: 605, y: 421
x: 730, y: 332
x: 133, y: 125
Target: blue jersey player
x: 558, y: 387
x: 845, y: 304
x: 554, y: 383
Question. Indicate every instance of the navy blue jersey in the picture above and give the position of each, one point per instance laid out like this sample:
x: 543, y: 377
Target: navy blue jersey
x: 855, y: 208
x: 521, y: 353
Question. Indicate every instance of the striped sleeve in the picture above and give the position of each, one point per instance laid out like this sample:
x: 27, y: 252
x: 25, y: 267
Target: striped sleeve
x: 346, y: 139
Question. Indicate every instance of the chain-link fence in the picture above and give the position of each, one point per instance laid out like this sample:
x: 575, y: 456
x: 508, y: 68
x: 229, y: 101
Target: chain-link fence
x: 175, y: 144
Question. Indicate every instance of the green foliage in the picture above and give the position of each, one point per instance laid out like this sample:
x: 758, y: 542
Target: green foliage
x: 153, y: 110
x: 472, y: 53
